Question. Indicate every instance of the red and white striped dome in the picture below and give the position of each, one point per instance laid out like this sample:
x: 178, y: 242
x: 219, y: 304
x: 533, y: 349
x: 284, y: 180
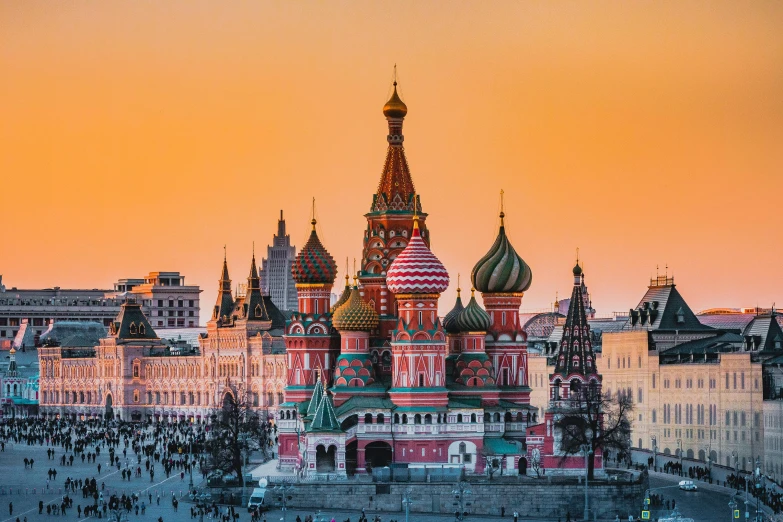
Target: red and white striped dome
x: 416, y: 270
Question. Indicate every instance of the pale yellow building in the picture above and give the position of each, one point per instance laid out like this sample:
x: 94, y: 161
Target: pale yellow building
x: 695, y: 387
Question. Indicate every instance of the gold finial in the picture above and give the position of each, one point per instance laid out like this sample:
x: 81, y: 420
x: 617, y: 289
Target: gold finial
x: 346, y: 270
x: 254, y: 249
x: 472, y: 292
x: 224, y: 253
x: 354, y: 274
x: 666, y: 274
x: 458, y: 288
x: 313, y: 221
x: 502, y: 213
x: 577, y: 256
x: 395, y: 74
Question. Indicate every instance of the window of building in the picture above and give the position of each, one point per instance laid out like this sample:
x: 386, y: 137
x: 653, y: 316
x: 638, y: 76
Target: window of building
x: 191, y: 303
x: 180, y: 303
x: 135, y: 395
x: 735, y: 380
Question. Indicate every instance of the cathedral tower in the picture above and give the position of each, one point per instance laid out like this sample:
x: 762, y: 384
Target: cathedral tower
x: 417, y: 278
x: 502, y: 277
x: 390, y: 220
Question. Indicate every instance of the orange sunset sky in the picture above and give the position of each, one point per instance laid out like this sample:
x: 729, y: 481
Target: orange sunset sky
x: 139, y: 136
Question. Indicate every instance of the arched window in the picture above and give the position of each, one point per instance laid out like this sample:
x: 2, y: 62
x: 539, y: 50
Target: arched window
x: 380, y: 419
x: 486, y: 416
x: 472, y: 417
x: 396, y: 418
x: 417, y: 419
x: 459, y: 417
x: 368, y: 418
x: 428, y: 419
x: 404, y: 418
x: 463, y: 448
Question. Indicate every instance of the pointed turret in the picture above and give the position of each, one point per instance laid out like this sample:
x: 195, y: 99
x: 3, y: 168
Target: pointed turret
x: 324, y: 418
x: 225, y: 302
x: 259, y: 307
x: 576, y: 351
x: 12, y: 370
x: 395, y: 190
x: 315, y: 400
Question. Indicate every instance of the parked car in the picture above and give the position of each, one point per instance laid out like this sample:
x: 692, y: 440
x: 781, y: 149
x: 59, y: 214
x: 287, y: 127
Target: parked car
x: 688, y: 485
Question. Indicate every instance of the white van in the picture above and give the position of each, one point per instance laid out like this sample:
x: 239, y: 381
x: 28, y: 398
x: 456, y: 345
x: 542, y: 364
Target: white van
x: 257, y: 500
x: 688, y: 485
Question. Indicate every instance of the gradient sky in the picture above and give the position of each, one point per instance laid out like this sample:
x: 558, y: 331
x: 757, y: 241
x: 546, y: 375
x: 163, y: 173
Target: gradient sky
x: 138, y: 136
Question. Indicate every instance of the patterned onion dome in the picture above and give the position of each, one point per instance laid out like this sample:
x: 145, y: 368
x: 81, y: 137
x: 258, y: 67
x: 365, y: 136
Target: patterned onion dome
x: 355, y: 314
x: 473, y: 318
x: 416, y: 270
x: 450, y: 321
x: 395, y: 107
x: 313, y: 263
x: 344, y: 297
x: 501, y: 270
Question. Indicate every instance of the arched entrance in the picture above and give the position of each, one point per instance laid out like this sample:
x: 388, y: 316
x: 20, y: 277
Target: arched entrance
x: 109, y: 410
x: 522, y: 466
x: 351, y: 457
x: 378, y: 454
x: 325, y: 459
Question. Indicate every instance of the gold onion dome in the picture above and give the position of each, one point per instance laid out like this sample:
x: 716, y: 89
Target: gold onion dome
x: 395, y: 107
x: 355, y: 314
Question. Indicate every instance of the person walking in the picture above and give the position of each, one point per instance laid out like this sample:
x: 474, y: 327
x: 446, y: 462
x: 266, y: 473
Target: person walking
x: 10, y: 509
x: 40, y: 507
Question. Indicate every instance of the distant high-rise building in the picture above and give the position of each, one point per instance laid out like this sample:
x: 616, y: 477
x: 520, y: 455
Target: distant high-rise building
x: 276, y: 279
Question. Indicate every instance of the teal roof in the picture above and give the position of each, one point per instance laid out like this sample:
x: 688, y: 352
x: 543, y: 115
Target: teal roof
x: 324, y: 418
x: 465, y: 402
x: 497, y: 446
x: 318, y: 393
x: 363, y: 403
x: 419, y: 409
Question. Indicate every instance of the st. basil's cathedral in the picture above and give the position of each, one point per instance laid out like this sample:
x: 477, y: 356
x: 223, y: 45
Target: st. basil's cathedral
x: 375, y: 380
x: 379, y: 380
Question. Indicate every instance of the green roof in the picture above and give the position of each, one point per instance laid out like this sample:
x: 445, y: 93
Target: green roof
x: 465, y: 402
x: 318, y: 393
x: 324, y: 418
x: 497, y: 446
x: 362, y: 403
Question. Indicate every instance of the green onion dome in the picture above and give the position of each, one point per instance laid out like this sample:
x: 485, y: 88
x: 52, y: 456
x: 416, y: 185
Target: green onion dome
x: 344, y: 297
x: 473, y: 318
x: 313, y: 264
x: 577, y: 269
x: 501, y: 270
x: 355, y: 314
x: 450, y: 321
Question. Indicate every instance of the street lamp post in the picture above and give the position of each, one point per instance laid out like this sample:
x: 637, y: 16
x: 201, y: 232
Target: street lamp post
x: 655, y: 452
x: 586, y: 449
x: 283, y: 490
x: 407, y: 501
x: 679, y: 448
x: 459, y: 493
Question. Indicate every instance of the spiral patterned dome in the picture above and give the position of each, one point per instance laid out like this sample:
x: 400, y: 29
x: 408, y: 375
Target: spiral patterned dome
x: 313, y: 263
x: 355, y: 314
x: 450, y: 321
x: 501, y: 270
x: 416, y: 270
x: 473, y: 318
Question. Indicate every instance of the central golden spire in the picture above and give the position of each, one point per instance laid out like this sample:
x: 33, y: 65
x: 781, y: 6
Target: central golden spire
x: 395, y: 107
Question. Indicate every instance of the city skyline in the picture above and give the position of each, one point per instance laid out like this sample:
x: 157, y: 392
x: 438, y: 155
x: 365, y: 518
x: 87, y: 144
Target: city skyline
x: 665, y: 154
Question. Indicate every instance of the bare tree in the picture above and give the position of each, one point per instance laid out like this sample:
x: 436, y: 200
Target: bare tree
x: 535, y: 462
x: 589, y: 418
x: 237, y: 430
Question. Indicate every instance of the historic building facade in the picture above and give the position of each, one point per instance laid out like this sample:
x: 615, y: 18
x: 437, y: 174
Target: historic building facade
x: 136, y: 376
x: 276, y: 279
x: 378, y: 380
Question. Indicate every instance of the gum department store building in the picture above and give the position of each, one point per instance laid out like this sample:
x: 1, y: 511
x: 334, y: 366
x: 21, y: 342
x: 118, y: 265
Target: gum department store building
x: 377, y: 379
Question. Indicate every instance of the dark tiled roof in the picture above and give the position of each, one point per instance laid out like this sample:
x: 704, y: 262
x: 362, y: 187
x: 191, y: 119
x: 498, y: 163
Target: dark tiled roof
x: 763, y: 333
x: 131, y: 324
x: 663, y: 308
x: 721, y: 343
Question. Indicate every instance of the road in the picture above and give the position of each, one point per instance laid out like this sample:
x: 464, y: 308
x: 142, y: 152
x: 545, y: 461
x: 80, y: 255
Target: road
x: 708, y: 504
